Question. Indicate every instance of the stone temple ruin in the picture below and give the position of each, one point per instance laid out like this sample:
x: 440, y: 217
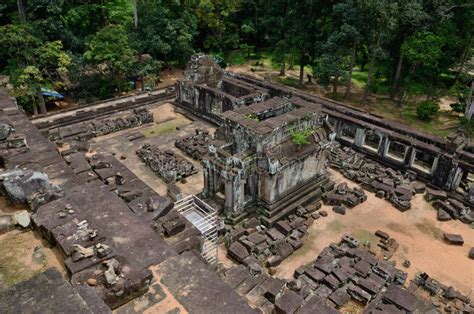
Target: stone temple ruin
x: 110, y: 189
x: 254, y: 162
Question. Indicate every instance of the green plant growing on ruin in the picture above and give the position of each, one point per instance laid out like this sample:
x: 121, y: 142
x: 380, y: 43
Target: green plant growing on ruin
x: 252, y: 117
x: 300, y: 138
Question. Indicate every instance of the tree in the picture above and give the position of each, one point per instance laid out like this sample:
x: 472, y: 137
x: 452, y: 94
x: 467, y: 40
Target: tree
x: 110, y: 52
x: 332, y: 66
x: 166, y: 31
x: 29, y: 59
x: 422, y: 51
x: 350, y: 23
x: 380, y: 26
x: 216, y: 18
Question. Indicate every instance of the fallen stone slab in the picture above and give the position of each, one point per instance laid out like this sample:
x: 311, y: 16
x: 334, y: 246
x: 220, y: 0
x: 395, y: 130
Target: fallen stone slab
x: 340, y: 297
x: 284, y: 249
x: 454, y: 239
x: 238, y: 252
x: 443, y: 215
x: 206, y: 292
x: 316, y: 305
x: 339, y: 210
x: 432, y: 195
x: 46, y: 292
x: 289, y: 302
x: 382, y: 234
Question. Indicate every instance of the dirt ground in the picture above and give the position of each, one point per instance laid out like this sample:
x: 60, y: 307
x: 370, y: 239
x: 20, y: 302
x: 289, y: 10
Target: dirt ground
x: 24, y: 254
x: 417, y: 231
x: 169, y: 125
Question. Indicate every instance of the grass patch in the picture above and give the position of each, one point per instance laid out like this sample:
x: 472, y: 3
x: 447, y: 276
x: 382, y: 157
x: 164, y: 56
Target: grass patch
x: 433, y: 126
x: 428, y: 228
x: 12, y: 268
x: 359, y: 78
x: 165, y: 127
x: 397, y: 228
x: 365, y: 236
x: 288, y: 81
x: 335, y: 226
x: 306, y: 248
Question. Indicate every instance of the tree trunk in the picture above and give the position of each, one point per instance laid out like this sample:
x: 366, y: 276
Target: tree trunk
x: 283, y: 66
x: 334, y: 87
x: 35, y: 108
x: 21, y: 11
x: 135, y: 13
x: 371, y: 71
x: 292, y: 61
x: 42, y: 104
x: 351, y: 67
x: 463, y: 59
x: 396, y: 80
x: 301, y: 81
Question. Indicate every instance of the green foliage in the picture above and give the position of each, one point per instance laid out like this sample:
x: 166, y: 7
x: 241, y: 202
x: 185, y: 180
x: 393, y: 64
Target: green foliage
x: 426, y: 110
x: 300, y: 138
x: 461, y: 92
x: 91, y: 49
x: 252, y: 117
x: 110, y: 50
x: 422, y: 49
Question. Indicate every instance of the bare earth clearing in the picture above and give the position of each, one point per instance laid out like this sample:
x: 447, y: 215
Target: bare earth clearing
x: 417, y: 231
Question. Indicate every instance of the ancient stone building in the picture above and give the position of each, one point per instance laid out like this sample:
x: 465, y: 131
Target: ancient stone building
x: 256, y: 164
x: 208, y: 93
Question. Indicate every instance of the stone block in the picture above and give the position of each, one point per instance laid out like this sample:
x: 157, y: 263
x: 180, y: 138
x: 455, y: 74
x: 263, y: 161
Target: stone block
x: 238, y: 252
x: 288, y: 303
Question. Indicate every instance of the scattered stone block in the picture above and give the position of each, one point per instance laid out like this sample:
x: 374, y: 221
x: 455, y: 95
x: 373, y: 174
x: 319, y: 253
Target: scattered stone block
x: 454, y: 239
x: 284, y: 249
x: 288, y: 303
x: 323, y: 213
x: 284, y: 227
x: 340, y: 297
x: 339, y: 210
x: 274, y: 260
x: 443, y: 215
x: 175, y: 226
x: 238, y: 252
x: 382, y: 234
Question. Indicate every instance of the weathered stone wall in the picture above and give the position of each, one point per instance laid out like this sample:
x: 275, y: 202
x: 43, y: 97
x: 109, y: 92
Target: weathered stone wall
x: 450, y: 165
x: 289, y: 176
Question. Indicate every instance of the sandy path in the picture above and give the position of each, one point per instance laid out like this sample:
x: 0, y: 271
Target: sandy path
x: 417, y: 231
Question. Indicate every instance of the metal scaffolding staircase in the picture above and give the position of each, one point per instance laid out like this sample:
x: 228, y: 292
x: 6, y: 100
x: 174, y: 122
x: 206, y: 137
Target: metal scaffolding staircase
x: 205, y: 219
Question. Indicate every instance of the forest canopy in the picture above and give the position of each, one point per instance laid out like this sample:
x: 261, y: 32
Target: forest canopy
x: 92, y: 50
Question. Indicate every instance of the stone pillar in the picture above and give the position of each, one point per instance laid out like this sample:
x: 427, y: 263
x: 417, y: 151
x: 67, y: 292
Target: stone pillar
x: 359, y: 137
x: 470, y: 104
x: 229, y: 195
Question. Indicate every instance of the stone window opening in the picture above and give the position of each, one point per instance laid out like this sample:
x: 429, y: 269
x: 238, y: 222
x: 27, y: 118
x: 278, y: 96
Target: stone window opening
x: 397, y: 151
x: 422, y: 161
x: 372, y: 140
x: 470, y: 177
x: 348, y: 132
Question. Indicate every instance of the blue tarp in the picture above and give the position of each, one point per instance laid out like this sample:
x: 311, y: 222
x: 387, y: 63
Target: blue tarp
x: 51, y: 93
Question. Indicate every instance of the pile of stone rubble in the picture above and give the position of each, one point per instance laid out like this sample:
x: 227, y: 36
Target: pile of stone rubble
x: 195, y: 145
x: 166, y: 164
x: 254, y: 244
x: 28, y: 186
x: 444, y: 298
x: 395, y: 187
x: 84, y: 131
x: 341, y: 272
x: 449, y: 208
x: 343, y: 195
